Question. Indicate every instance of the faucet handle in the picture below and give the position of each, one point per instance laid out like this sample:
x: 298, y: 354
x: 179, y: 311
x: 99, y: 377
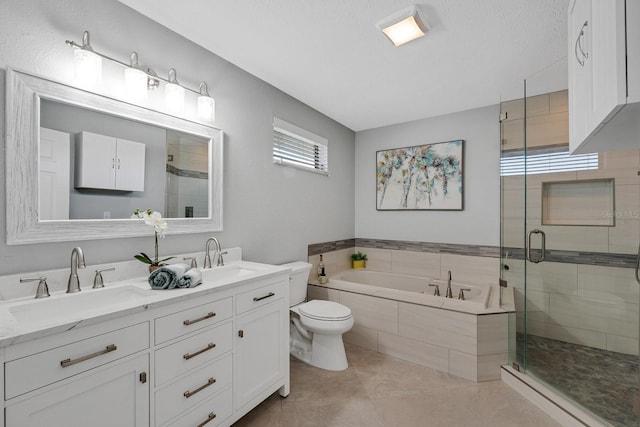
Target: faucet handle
x: 461, y: 293
x: 98, y: 282
x: 220, y: 262
x: 194, y: 263
x: 43, y: 289
x: 436, y: 291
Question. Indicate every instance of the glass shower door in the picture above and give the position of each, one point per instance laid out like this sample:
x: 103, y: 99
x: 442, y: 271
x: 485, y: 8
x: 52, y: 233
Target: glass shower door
x: 571, y: 226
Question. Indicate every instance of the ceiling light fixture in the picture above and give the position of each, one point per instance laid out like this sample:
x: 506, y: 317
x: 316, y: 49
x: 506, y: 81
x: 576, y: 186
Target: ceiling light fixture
x: 88, y: 69
x: 404, y: 26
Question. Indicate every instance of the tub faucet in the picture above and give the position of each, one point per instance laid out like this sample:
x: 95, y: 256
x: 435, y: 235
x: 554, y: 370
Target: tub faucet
x: 77, y: 261
x: 449, y: 294
x: 207, y: 258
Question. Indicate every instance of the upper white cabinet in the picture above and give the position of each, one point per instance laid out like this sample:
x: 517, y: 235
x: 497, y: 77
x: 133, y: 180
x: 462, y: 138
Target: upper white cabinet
x: 104, y: 162
x: 604, y: 75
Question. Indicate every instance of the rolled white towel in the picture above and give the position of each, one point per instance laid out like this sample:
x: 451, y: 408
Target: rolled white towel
x: 190, y: 279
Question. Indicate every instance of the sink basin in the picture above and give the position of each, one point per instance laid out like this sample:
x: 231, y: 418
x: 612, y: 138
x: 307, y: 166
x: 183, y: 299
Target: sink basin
x: 230, y: 272
x: 56, y: 306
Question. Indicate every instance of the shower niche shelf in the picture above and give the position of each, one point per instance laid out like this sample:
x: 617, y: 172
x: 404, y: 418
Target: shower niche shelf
x: 582, y: 203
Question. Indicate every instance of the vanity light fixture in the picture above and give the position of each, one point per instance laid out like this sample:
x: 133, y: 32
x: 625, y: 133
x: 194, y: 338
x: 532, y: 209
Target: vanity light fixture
x: 206, y: 104
x: 88, y: 69
x: 404, y: 26
x: 87, y: 64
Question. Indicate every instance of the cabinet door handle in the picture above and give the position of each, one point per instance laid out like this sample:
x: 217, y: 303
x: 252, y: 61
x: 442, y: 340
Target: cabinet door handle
x: 269, y: 295
x: 118, y: 164
x: 199, y: 319
x: 209, y: 418
x: 207, y: 348
x: 68, y: 362
x: 188, y: 393
x: 113, y: 163
x: 241, y: 333
x: 578, y: 46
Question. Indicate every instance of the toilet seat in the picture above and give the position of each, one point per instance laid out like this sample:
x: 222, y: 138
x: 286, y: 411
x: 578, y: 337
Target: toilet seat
x: 324, y: 310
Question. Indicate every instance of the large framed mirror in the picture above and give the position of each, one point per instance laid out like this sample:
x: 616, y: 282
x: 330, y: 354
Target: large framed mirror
x: 78, y: 164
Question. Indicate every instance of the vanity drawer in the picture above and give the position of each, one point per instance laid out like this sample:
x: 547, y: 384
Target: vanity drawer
x: 185, y: 355
x: 192, y: 319
x: 198, y: 386
x: 260, y: 296
x: 40, y: 369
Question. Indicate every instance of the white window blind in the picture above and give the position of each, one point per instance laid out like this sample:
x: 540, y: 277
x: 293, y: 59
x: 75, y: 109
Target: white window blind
x: 547, y: 162
x: 297, y: 147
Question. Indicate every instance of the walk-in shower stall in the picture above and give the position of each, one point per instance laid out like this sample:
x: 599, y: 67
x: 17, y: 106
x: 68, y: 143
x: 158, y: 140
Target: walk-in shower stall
x: 570, y: 228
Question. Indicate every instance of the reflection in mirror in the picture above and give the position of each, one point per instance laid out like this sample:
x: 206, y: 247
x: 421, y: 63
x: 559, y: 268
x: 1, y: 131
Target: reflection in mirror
x: 79, y: 163
x: 100, y: 166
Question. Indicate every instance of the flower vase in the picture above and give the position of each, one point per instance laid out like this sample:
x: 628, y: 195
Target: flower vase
x: 153, y: 268
x: 358, y: 264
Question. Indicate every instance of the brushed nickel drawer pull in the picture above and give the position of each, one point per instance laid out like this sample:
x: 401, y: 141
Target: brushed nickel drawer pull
x: 188, y: 393
x: 199, y: 319
x: 269, y: 295
x: 207, y: 348
x: 209, y: 418
x: 68, y: 362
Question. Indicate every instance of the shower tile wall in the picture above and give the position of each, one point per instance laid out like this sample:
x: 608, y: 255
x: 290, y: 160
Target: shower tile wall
x: 187, y: 184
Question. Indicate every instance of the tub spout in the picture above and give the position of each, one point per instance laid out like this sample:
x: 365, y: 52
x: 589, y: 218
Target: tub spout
x: 449, y: 293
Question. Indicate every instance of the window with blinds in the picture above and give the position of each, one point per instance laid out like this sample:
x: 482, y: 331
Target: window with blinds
x: 297, y: 147
x: 546, y: 162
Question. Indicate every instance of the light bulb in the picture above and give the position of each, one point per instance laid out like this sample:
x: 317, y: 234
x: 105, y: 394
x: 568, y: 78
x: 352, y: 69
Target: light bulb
x: 135, y: 81
x: 174, y: 98
x: 206, y: 108
x: 87, y: 67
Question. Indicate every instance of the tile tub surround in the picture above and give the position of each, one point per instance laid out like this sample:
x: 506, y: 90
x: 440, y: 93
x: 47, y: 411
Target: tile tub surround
x: 466, y: 345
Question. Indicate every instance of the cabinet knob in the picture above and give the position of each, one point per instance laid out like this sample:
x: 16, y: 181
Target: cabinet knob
x: 143, y: 377
x: 241, y: 333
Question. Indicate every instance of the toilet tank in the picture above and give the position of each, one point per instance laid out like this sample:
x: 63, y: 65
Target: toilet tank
x: 298, y: 283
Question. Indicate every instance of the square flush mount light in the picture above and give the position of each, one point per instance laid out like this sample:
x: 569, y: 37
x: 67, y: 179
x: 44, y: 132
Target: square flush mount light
x: 404, y: 26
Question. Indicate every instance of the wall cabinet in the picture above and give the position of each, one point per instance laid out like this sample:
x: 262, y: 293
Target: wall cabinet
x: 604, y: 75
x: 104, y: 162
x: 206, y: 359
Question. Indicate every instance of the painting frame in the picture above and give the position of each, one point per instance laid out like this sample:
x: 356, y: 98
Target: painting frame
x: 426, y: 177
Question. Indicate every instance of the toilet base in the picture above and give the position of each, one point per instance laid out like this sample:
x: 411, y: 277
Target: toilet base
x: 322, y: 351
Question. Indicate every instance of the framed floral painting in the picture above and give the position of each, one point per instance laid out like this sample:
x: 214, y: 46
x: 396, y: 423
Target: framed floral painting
x: 422, y: 177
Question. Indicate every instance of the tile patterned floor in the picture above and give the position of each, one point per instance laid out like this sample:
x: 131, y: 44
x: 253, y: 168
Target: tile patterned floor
x: 378, y: 390
x: 603, y: 382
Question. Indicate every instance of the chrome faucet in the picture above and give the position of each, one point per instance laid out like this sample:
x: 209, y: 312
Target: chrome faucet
x: 449, y: 294
x: 77, y: 261
x: 207, y: 258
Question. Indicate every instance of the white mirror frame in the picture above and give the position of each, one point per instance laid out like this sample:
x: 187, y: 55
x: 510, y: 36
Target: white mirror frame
x: 24, y: 92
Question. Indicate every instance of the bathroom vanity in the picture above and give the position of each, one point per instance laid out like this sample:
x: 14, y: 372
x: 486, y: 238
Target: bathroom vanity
x: 126, y: 355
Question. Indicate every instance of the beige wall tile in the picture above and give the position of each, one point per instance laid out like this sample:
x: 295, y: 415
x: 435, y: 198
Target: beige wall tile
x: 565, y: 333
x: 463, y: 365
x: 623, y: 238
x: 548, y: 276
x: 470, y: 269
x: 432, y: 356
x: 515, y: 275
x: 513, y: 108
x: 537, y: 304
x: 607, y: 283
x: 534, y: 182
x: 550, y: 129
x: 364, y: 337
x: 343, y: 259
x: 620, y: 318
x: 559, y: 101
x: 623, y: 176
x: 513, y: 204
x: 493, y: 334
x: 440, y: 327
x: 489, y: 366
x: 320, y: 292
x: 425, y: 264
x: 627, y: 204
x: 513, y: 233
x: 577, y: 238
x: 377, y: 259
x: 371, y: 312
x: 578, y: 203
x: 537, y: 105
x: 512, y: 134
x: 624, y: 345
x: 515, y: 182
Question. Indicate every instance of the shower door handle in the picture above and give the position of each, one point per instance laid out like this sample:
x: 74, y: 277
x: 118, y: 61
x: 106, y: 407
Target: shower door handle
x: 529, y: 257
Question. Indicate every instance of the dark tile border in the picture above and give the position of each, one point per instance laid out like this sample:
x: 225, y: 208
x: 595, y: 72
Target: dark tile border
x: 566, y: 257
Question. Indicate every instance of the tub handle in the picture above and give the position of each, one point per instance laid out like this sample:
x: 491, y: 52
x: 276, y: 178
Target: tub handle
x: 461, y: 294
x: 436, y: 291
x: 543, y: 249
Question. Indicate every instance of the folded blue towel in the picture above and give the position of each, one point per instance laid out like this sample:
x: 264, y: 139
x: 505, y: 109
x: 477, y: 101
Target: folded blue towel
x: 190, y: 279
x: 166, y: 277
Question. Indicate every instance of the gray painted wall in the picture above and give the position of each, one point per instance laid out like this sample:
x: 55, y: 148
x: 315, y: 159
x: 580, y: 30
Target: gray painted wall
x: 272, y: 212
x: 478, y: 223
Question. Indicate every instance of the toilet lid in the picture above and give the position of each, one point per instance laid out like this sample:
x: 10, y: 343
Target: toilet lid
x: 324, y: 310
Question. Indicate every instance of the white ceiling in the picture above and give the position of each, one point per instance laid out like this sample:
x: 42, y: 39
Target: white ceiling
x: 330, y: 55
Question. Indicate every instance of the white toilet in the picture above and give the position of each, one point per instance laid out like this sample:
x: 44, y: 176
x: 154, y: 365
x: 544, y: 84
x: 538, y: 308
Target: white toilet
x: 316, y: 327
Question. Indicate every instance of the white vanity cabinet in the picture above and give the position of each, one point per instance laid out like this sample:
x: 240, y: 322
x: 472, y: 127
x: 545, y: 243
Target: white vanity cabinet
x: 604, y: 75
x: 92, y: 377
x: 104, y: 162
x: 261, y: 360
